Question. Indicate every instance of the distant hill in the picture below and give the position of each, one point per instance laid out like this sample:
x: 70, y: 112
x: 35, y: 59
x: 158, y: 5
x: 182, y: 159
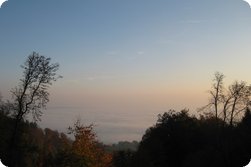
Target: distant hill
x: 122, y: 146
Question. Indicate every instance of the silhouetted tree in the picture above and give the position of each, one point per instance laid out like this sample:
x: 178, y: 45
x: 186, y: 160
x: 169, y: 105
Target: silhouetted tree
x: 216, y: 92
x: 244, y: 128
x: 180, y: 140
x: 36, y: 147
x: 168, y: 142
x: 123, y: 158
x: 229, y: 102
x: 240, y: 93
x: 31, y: 95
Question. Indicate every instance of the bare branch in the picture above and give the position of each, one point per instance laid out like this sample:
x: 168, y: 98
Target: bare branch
x: 32, y: 93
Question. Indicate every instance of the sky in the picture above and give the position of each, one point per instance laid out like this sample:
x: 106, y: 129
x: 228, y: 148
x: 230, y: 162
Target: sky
x: 124, y: 62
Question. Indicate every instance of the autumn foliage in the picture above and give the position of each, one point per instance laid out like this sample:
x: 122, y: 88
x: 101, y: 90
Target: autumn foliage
x: 87, y: 146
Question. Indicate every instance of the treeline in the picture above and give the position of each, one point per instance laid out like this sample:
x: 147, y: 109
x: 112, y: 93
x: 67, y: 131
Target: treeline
x: 176, y: 140
x: 180, y: 140
x: 23, y: 144
x: 36, y: 147
x: 123, y: 145
x: 219, y: 137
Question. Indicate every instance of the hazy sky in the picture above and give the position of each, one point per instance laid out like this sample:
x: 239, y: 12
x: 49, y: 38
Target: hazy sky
x: 125, y: 61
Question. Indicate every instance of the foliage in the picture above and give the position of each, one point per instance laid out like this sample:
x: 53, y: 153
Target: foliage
x: 219, y: 138
x: 180, y: 140
x: 87, y: 146
x: 48, y: 148
x: 36, y: 147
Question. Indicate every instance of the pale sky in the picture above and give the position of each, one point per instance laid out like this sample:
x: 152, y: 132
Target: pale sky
x: 124, y: 62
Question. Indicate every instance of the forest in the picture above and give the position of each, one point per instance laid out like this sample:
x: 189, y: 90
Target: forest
x: 219, y: 135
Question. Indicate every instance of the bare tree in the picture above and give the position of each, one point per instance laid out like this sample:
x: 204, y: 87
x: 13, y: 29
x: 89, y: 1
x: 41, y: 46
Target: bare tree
x: 228, y: 103
x: 216, y: 92
x: 31, y: 95
x: 226, y: 100
x: 240, y: 94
